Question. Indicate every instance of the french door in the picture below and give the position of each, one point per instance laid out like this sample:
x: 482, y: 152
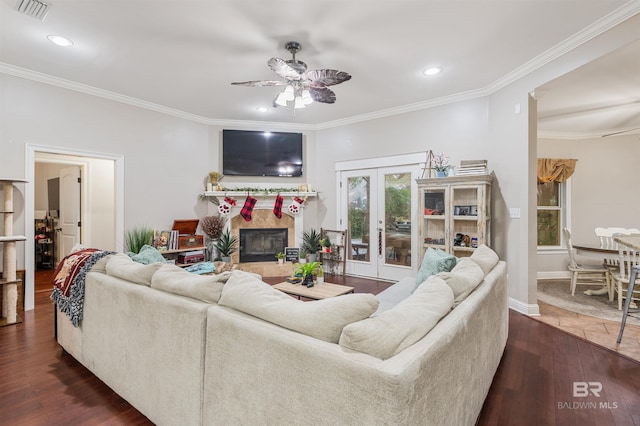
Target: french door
x: 378, y: 206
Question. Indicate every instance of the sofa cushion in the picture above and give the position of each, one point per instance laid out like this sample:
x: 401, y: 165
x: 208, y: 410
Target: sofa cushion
x: 322, y: 319
x: 121, y: 266
x: 434, y: 261
x: 395, y: 294
x: 393, y: 331
x: 101, y: 265
x: 148, y: 255
x: 486, y: 258
x: 463, y: 278
x: 173, y: 279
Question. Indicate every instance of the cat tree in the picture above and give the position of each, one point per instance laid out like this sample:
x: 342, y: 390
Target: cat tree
x: 9, y: 283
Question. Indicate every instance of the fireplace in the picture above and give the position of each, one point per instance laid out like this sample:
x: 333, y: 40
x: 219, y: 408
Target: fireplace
x: 262, y: 244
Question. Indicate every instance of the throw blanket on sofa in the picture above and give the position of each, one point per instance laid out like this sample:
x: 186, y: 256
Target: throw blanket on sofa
x: 68, y: 281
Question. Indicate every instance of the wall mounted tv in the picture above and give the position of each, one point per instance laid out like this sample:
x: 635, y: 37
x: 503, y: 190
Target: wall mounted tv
x: 251, y: 153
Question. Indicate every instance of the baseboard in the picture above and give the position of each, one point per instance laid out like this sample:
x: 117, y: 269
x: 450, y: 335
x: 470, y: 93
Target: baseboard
x: 532, y: 310
x: 554, y: 275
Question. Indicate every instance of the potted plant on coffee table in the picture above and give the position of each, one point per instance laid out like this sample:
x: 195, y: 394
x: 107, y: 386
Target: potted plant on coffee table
x: 226, y: 245
x: 307, y: 271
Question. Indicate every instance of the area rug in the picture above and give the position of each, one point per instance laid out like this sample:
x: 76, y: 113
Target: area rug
x: 556, y: 293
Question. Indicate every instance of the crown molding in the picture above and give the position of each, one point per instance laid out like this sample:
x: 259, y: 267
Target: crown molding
x: 607, y: 22
x: 90, y: 90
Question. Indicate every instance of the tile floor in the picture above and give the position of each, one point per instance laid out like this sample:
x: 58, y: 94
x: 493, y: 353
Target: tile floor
x: 599, y: 331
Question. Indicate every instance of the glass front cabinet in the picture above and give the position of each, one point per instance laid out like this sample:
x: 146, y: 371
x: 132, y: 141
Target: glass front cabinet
x: 456, y: 213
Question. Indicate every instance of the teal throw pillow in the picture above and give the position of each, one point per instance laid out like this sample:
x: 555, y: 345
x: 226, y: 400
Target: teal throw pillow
x: 434, y: 261
x: 148, y: 255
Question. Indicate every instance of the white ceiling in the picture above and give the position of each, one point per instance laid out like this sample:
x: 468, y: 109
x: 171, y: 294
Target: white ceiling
x: 181, y: 56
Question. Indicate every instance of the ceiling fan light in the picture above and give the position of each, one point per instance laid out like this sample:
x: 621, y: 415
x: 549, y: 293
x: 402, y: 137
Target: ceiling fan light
x: 289, y: 93
x: 281, y: 99
x: 299, y: 103
x: 306, y: 97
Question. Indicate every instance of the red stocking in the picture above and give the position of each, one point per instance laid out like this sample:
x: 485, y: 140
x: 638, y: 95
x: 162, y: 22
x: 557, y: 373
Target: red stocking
x: 277, y: 208
x: 247, y: 209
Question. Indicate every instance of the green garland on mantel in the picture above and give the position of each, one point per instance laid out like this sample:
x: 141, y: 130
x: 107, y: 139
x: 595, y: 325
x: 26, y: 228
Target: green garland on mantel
x: 252, y: 191
x: 263, y: 191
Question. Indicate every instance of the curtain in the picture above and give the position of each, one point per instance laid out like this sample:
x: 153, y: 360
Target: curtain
x: 555, y: 170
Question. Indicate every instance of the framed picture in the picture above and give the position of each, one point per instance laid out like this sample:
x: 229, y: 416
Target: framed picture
x: 291, y: 254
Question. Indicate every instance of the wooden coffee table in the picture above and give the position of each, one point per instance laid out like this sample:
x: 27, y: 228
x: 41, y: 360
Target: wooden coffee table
x: 317, y: 292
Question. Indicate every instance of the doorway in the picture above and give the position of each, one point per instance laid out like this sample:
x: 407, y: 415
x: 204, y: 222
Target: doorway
x: 100, y: 204
x: 378, y: 206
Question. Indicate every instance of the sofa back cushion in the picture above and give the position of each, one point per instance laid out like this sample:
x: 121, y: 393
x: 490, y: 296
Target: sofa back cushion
x: 322, y: 319
x: 173, y: 279
x: 121, y: 266
x: 486, y: 258
x: 463, y: 278
x: 394, y: 330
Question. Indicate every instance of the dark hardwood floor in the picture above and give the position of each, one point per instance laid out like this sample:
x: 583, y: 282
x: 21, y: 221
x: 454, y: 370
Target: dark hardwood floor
x: 42, y: 385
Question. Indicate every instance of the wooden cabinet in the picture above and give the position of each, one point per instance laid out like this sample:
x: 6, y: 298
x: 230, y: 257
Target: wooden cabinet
x: 456, y: 213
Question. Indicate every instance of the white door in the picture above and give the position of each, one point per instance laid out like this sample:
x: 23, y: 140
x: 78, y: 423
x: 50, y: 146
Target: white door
x: 379, y: 209
x: 70, y: 228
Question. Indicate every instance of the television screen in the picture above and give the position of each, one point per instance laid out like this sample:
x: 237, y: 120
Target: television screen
x: 251, y: 153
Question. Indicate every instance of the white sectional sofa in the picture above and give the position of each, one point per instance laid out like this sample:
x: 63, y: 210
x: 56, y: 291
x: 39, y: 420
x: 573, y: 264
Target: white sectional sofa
x: 192, y: 350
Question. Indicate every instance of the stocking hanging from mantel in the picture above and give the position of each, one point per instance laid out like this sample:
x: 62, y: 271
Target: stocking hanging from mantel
x: 247, y: 209
x: 277, y: 207
x: 224, y: 208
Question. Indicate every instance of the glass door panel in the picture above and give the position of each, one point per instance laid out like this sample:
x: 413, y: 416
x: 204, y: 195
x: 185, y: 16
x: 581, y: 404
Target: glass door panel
x: 397, y: 219
x: 359, y: 217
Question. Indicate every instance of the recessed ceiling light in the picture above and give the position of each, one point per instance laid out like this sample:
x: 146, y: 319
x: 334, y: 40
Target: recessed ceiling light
x: 432, y: 71
x: 262, y: 109
x: 60, y: 40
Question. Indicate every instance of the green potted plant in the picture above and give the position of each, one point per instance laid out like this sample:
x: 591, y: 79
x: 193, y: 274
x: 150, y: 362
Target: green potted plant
x: 138, y: 237
x: 311, y: 243
x: 226, y: 245
x: 280, y: 257
x: 326, y: 245
x: 307, y: 272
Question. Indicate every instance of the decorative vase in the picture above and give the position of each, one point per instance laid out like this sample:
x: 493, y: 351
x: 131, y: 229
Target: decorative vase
x: 441, y: 173
x: 280, y: 261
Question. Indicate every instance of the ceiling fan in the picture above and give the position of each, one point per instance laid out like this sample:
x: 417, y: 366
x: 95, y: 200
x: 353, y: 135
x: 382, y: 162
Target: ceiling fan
x: 303, y: 87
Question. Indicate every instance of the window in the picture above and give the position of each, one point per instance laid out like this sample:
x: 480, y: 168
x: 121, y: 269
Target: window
x: 552, y: 213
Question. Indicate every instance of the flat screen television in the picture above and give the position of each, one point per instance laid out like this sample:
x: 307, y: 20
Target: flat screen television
x: 252, y: 153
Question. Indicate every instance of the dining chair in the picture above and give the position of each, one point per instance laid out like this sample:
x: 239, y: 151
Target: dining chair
x: 586, y: 271
x: 629, y: 268
x: 606, y: 242
x: 623, y: 282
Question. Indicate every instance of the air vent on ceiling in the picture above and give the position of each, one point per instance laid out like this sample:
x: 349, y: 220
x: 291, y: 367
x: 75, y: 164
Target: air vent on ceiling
x: 34, y: 8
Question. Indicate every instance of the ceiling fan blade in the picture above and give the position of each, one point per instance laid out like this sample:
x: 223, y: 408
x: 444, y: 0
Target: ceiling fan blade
x: 327, y: 77
x: 280, y: 67
x: 620, y: 132
x: 322, y: 94
x: 259, y: 83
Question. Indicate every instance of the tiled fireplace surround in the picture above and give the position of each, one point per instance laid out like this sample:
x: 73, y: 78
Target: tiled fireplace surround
x: 263, y: 217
